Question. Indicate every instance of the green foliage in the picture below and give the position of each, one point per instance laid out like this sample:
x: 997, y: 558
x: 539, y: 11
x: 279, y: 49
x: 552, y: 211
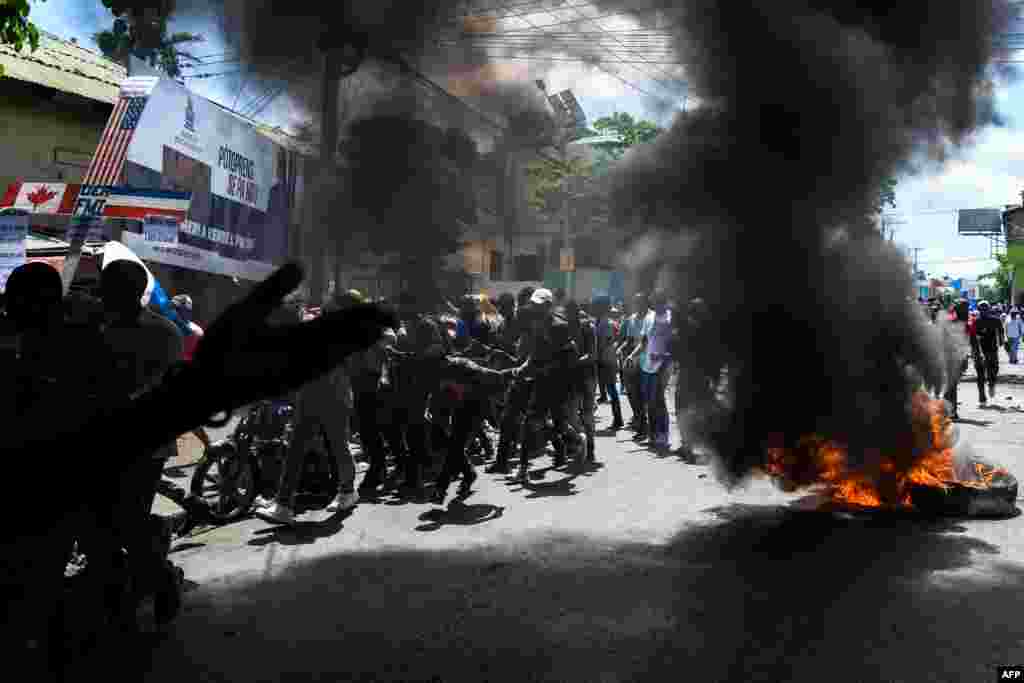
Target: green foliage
x: 629, y: 131
x: 15, y: 28
x: 140, y: 29
x: 886, y: 195
x: 546, y: 178
x: 1002, y: 279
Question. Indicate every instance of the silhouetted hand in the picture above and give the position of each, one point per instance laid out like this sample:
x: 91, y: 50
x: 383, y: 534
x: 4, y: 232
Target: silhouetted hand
x: 242, y: 358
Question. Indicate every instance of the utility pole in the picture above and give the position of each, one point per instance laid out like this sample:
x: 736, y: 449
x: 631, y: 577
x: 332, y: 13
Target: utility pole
x: 916, y: 249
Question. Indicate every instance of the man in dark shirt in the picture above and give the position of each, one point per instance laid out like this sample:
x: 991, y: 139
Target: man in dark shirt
x: 989, y: 337
x: 142, y: 346
x: 584, y: 373
x: 44, y: 383
x: 553, y: 355
x: 421, y: 342
x: 514, y: 341
x: 507, y: 333
x: 478, y: 384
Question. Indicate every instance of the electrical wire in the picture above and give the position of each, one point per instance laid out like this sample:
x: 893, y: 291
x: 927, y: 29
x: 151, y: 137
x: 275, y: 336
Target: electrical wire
x: 613, y: 74
x: 632, y: 53
x: 213, y: 75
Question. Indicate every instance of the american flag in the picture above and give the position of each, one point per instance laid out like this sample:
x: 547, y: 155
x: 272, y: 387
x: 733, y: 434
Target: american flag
x: 108, y: 161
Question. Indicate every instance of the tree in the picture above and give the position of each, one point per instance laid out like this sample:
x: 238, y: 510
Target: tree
x: 629, y: 131
x: 15, y: 28
x: 140, y: 30
x: 1001, y: 277
x: 546, y: 179
x: 886, y: 194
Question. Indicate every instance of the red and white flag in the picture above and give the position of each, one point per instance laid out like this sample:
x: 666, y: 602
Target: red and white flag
x: 108, y: 161
x: 137, y: 204
x: 39, y: 197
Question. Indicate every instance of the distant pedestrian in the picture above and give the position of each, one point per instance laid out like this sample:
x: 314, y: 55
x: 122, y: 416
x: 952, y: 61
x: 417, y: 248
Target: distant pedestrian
x: 183, y: 306
x: 988, y: 336
x: 607, y: 361
x: 1014, y: 332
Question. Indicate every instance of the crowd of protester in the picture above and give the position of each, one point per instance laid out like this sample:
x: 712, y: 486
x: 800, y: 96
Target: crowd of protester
x: 989, y: 328
x: 529, y: 369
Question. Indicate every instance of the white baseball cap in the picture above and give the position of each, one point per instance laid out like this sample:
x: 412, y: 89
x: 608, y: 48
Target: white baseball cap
x: 542, y: 296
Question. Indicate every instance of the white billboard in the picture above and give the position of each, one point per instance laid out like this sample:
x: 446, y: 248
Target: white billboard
x: 241, y: 160
x: 239, y: 211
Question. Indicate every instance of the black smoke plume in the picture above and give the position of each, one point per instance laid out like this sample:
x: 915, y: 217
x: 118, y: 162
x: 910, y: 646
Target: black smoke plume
x: 806, y: 105
x: 408, y: 150
x: 768, y: 188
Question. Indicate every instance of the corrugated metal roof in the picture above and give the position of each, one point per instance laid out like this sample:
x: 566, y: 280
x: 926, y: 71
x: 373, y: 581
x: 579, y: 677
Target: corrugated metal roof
x: 289, y: 141
x: 64, y: 66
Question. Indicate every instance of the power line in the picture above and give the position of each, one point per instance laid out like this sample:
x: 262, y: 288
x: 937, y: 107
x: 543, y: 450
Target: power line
x: 578, y: 60
x: 213, y: 75
x: 602, y: 29
x: 611, y: 73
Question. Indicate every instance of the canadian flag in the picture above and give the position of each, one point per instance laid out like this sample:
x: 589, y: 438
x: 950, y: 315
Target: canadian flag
x: 41, y: 197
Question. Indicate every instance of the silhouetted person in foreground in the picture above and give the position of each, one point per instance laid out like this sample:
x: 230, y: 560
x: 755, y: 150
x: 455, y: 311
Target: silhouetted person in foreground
x: 51, y: 371
x: 241, y: 359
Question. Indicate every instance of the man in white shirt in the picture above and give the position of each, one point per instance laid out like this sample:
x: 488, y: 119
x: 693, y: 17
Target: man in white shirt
x: 655, y: 367
x: 1014, y: 332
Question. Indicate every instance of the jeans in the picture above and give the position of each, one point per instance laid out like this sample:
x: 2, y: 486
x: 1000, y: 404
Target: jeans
x: 587, y: 405
x: 1014, y: 348
x: 367, y: 407
x: 986, y: 366
x: 631, y: 379
x: 516, y: 403
x: 467, y: 419
x: 652, y: 391
x: 554, y: 396
x: 336, y: 430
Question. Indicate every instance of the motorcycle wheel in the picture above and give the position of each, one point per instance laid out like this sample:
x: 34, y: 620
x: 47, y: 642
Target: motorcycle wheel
x: 226, y: 480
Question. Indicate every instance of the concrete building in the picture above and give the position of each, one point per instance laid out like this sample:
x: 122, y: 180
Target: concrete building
x: 55, y: 104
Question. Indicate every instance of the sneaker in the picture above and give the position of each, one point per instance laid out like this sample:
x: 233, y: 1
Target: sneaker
x: 262, y: 503
x: 498, y: 468
x: 343, y: 501
x: 280, y: 513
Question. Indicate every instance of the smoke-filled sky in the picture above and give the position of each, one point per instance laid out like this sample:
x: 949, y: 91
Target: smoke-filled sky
x: 989, y: 174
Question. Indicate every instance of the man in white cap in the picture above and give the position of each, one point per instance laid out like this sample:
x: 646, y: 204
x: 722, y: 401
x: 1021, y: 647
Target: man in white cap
x: 551, y: 358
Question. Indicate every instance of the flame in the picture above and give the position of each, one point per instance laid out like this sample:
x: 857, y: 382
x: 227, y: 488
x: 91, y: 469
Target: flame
x: 817, y: 462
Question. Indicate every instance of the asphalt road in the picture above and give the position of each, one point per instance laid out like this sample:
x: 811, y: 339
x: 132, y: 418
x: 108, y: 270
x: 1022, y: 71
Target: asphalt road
x: 643, y: 570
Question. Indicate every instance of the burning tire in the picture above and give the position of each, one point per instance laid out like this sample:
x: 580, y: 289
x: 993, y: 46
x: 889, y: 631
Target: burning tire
x: 960, y: 499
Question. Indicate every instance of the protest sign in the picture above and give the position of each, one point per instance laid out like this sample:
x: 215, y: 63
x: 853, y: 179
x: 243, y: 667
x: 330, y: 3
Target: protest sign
x: 13, y: 238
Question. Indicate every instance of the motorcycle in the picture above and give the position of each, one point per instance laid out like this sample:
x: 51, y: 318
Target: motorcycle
x: 234, y: 471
